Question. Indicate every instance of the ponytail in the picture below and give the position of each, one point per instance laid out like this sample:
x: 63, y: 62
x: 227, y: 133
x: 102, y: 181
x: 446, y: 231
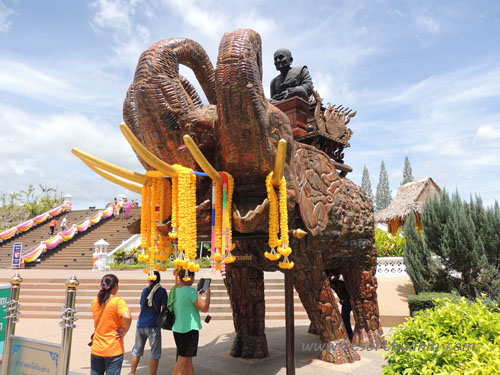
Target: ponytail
x: 108, y: 283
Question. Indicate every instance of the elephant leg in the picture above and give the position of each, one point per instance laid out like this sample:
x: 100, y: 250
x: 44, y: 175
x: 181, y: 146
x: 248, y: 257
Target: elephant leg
x: 245, y: 286
x: 316, y: 295
x: 362, y: 286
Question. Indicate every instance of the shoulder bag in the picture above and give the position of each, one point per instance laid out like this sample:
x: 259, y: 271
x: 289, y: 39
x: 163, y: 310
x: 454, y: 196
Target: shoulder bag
x: 166, y: 317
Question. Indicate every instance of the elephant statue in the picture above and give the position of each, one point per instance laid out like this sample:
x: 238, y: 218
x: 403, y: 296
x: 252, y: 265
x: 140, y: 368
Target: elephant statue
x: 238, y: 132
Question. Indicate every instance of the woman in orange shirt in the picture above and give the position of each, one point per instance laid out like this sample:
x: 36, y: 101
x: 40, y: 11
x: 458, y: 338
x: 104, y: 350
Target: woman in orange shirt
x: 112, y: 320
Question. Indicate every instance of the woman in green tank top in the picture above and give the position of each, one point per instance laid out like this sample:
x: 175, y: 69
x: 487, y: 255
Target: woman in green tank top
x: 187, y: 304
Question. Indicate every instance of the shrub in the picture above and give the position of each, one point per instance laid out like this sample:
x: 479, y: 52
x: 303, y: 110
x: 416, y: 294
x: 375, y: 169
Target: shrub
x: 455, y: 337
x: 389, y: 245
x: 426, y: 300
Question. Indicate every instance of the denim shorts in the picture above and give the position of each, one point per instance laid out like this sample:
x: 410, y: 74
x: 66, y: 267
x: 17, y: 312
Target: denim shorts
x: 153, y: 334
x: 106, y: 365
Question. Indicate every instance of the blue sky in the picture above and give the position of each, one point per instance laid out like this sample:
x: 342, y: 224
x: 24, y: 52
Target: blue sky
x: 424, y: 77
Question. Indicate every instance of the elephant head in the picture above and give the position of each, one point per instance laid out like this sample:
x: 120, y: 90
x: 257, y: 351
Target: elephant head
x: 238, y: 131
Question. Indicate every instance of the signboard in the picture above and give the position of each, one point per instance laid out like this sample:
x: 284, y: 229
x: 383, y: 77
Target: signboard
x: 4, y: 298
x: 33, y: 357
x: 16, y: 255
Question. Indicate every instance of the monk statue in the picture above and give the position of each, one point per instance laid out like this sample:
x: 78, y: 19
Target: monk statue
x: 291, y: 82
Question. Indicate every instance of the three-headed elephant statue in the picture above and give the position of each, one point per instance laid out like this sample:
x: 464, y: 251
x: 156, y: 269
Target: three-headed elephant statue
x: 238, y: 132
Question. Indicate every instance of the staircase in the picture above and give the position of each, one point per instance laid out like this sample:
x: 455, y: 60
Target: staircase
x: 77, y: 253
x: 35, y: 235
x: 44, y: 297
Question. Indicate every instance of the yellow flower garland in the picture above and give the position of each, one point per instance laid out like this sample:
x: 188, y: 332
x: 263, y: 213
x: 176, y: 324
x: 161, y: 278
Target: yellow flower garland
x: 184, y: 218
x: 278, y: 214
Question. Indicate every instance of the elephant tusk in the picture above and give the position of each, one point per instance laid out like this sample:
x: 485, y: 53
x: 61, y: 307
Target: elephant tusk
x: 132, y: 186
x: 111, y: 168
x: 298, y: 233
x: 201, y: 159
x: 145, y: 154
x: 279, y: 164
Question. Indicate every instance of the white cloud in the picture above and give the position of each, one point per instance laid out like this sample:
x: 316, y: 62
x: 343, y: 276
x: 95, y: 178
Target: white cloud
x: 428, y: 24
x: 209, y: 22
x: 5, y: 13
x: 488, y: 133
x: 37, y: 149
x: 78, y: 85
x: 113, y: 14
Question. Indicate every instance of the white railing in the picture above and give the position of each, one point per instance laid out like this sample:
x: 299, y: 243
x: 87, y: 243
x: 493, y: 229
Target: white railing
x: 391, y: 266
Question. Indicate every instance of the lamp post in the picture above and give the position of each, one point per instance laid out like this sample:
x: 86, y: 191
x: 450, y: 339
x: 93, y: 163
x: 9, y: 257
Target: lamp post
x: 67, y: 323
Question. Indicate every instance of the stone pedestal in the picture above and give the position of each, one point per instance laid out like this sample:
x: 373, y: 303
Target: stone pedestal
x: 299, y: 112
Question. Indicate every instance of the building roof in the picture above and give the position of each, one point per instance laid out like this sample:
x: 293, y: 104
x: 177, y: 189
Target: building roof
x: 411, y: 197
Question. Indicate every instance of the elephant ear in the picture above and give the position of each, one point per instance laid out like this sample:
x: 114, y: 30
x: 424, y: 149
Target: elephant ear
x: 317, y: 184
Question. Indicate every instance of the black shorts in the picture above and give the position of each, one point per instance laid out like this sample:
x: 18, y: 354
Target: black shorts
x: 187, y: 343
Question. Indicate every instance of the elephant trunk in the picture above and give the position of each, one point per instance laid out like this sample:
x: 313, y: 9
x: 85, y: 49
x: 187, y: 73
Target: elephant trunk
x: 249, y: 127
x: 161, y: 106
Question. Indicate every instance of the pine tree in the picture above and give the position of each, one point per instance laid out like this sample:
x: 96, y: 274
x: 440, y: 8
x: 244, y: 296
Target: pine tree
x: 407, y: 172
x: 366, y: 184
x: 383, y: 196
x: 464, y: 249
x: 418, y: 259
x: 435, y: 213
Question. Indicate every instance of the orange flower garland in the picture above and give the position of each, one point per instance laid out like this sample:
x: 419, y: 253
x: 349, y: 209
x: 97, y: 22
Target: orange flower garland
x: 278, y: 214
x: 153, y: 213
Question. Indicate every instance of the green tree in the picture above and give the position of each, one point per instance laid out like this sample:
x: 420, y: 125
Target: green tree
x: 462, y: 249
x: 383, y: 195
x: 420, y: 266
x: 466, y: 239
x: 407, y: 172
x: 365, y: 183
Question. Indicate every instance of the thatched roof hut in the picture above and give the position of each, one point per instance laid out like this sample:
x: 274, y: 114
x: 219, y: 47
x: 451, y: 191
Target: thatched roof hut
x: 411, y: 198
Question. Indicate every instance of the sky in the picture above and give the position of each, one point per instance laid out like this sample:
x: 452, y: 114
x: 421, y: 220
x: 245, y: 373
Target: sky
x: 423, y: 76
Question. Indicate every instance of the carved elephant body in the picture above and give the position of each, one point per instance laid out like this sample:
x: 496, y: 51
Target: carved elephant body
x: 238, y: 132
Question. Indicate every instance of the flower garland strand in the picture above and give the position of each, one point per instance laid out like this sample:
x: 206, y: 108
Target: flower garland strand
x: 184, y: 219
x: 222, y: 243
x: 278, y: 222
x: 153, y: 213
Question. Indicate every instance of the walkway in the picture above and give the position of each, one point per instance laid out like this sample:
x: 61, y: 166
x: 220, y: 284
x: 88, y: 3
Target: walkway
x: 216, y: 337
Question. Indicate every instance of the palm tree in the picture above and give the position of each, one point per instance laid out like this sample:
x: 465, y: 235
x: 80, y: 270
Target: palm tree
x: 29, y: 194
x: 13, y: 197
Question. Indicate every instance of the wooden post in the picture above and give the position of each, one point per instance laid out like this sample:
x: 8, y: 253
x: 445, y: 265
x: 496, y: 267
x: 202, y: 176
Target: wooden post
x: 289, y: 323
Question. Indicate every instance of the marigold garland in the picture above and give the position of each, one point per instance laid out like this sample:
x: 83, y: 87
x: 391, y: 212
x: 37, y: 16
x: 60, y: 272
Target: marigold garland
x: 278, y: 222
x: 154, y: 211
x: 184, y: 219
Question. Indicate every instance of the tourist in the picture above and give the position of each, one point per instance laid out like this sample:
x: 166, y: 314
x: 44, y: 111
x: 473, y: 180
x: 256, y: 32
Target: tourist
x: 64, y: 223
x: 345, y: 300
x: 116, y: 208
x: 187, y: 304
x: 53, y: 226
x: 153, y: 300
x: 112, y: 321
x: 127, y: 209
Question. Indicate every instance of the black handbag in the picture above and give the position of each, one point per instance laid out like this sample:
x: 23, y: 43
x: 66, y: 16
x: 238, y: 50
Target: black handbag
x: 166, y: 319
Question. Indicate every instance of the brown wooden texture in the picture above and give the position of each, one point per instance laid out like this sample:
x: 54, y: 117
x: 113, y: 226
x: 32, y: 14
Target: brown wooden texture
x: 239, y: 133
